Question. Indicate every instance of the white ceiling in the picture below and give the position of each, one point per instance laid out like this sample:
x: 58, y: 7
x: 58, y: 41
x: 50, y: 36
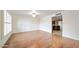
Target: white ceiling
x: 26, y: 12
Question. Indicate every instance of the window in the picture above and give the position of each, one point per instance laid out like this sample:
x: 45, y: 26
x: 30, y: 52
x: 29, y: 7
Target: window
x: 7, y: 23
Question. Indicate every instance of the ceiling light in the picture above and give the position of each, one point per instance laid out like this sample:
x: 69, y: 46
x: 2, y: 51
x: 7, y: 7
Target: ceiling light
x: 34, y: 13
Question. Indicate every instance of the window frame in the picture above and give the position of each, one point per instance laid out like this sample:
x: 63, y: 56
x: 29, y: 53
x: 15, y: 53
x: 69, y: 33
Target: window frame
x: 7, y: 23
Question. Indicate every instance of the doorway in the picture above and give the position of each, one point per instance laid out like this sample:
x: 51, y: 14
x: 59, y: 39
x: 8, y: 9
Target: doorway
x: 57, y: 30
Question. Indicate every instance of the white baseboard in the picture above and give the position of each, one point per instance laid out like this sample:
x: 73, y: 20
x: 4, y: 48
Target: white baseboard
x: 3, y: 41
x: 74, y: 38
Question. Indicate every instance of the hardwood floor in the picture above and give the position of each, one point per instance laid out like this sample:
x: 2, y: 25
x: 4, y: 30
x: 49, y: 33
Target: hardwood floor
x: 70, y: 43
x: 64, y: 42
x: 32, y: 39
x: 39, y: 39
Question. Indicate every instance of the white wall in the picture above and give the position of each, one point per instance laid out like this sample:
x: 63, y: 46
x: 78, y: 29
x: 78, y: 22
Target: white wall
x: 24, y: 24
x: 71, y: 24
x: 46, y: 24
x: 60, y: 23
x: 0, y: 25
